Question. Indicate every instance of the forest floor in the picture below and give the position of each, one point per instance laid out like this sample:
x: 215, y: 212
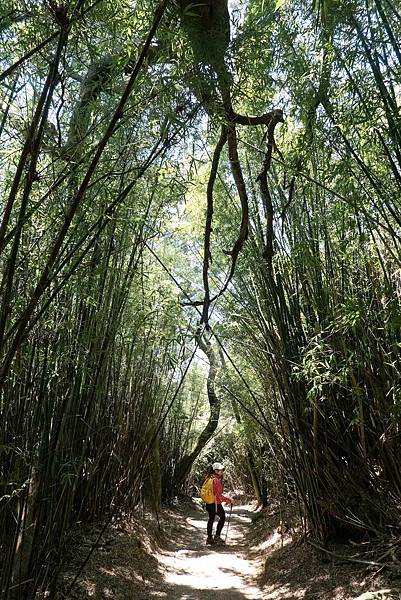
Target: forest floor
x: 137, y: 562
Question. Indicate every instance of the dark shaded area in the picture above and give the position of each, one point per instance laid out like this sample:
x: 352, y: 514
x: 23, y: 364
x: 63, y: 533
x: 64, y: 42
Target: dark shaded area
x: 297, y: 570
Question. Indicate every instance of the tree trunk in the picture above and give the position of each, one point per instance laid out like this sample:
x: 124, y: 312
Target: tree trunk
x: 184, y: 466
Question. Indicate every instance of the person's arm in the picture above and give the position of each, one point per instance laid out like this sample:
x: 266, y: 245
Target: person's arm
x: 218, y: 492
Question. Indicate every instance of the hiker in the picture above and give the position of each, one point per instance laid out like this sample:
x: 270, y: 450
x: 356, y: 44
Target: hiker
x: 212, y: 495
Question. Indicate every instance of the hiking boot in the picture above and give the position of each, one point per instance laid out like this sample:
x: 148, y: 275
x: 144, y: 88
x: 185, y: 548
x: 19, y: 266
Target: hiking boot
x: 218, y: 541
x: 209, y: 540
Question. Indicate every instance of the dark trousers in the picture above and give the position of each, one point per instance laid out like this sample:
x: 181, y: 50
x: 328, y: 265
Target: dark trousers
x: 211, y: 509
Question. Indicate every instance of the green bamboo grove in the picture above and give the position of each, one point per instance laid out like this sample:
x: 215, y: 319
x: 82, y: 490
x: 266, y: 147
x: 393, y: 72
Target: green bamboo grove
x: 199, y: 221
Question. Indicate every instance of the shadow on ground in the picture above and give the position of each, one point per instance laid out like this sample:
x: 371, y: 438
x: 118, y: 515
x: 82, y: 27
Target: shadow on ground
x: 211, y: 572
x: 181, y: 567
x: 297, y: 571
x: 187, y: 593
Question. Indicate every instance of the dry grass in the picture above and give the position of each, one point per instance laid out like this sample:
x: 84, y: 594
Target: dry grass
x: 124, y: 561
x: 294, y: 570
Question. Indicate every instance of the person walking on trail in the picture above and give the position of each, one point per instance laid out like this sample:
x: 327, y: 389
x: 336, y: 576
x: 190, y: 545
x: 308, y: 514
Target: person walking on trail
x: 212, y: 495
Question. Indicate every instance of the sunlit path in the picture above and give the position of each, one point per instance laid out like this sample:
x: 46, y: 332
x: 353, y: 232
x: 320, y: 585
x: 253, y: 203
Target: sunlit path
x: 195, y: 571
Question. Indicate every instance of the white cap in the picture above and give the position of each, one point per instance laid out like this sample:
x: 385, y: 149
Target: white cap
x: 217, y: 466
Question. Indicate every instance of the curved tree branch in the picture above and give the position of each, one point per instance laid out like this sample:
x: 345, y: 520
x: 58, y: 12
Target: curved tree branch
x: 207, y: 257
x: 264, y: 189
x: 184, y: 466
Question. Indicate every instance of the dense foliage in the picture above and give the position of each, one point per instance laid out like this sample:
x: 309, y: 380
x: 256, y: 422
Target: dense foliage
x: 199, y: 260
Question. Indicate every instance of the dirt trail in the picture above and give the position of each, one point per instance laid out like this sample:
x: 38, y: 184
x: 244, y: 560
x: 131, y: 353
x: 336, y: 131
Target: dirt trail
x: 138, y: 561
x: 194, y: 571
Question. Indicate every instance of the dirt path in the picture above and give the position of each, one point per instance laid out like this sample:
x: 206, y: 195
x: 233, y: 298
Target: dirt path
x: 194, y: 571
x: 136, y: 561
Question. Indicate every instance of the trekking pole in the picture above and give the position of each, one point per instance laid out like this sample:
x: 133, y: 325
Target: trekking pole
x: 229, y: 519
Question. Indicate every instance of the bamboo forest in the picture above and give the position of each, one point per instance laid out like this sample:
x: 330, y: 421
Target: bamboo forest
x: 200, y: 299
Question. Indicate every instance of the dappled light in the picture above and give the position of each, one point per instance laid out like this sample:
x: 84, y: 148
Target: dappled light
x: 225, y: 569
x: 200, y: 299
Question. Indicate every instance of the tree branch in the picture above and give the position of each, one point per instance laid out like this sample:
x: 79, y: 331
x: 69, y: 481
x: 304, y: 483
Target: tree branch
x: 207, y: 257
